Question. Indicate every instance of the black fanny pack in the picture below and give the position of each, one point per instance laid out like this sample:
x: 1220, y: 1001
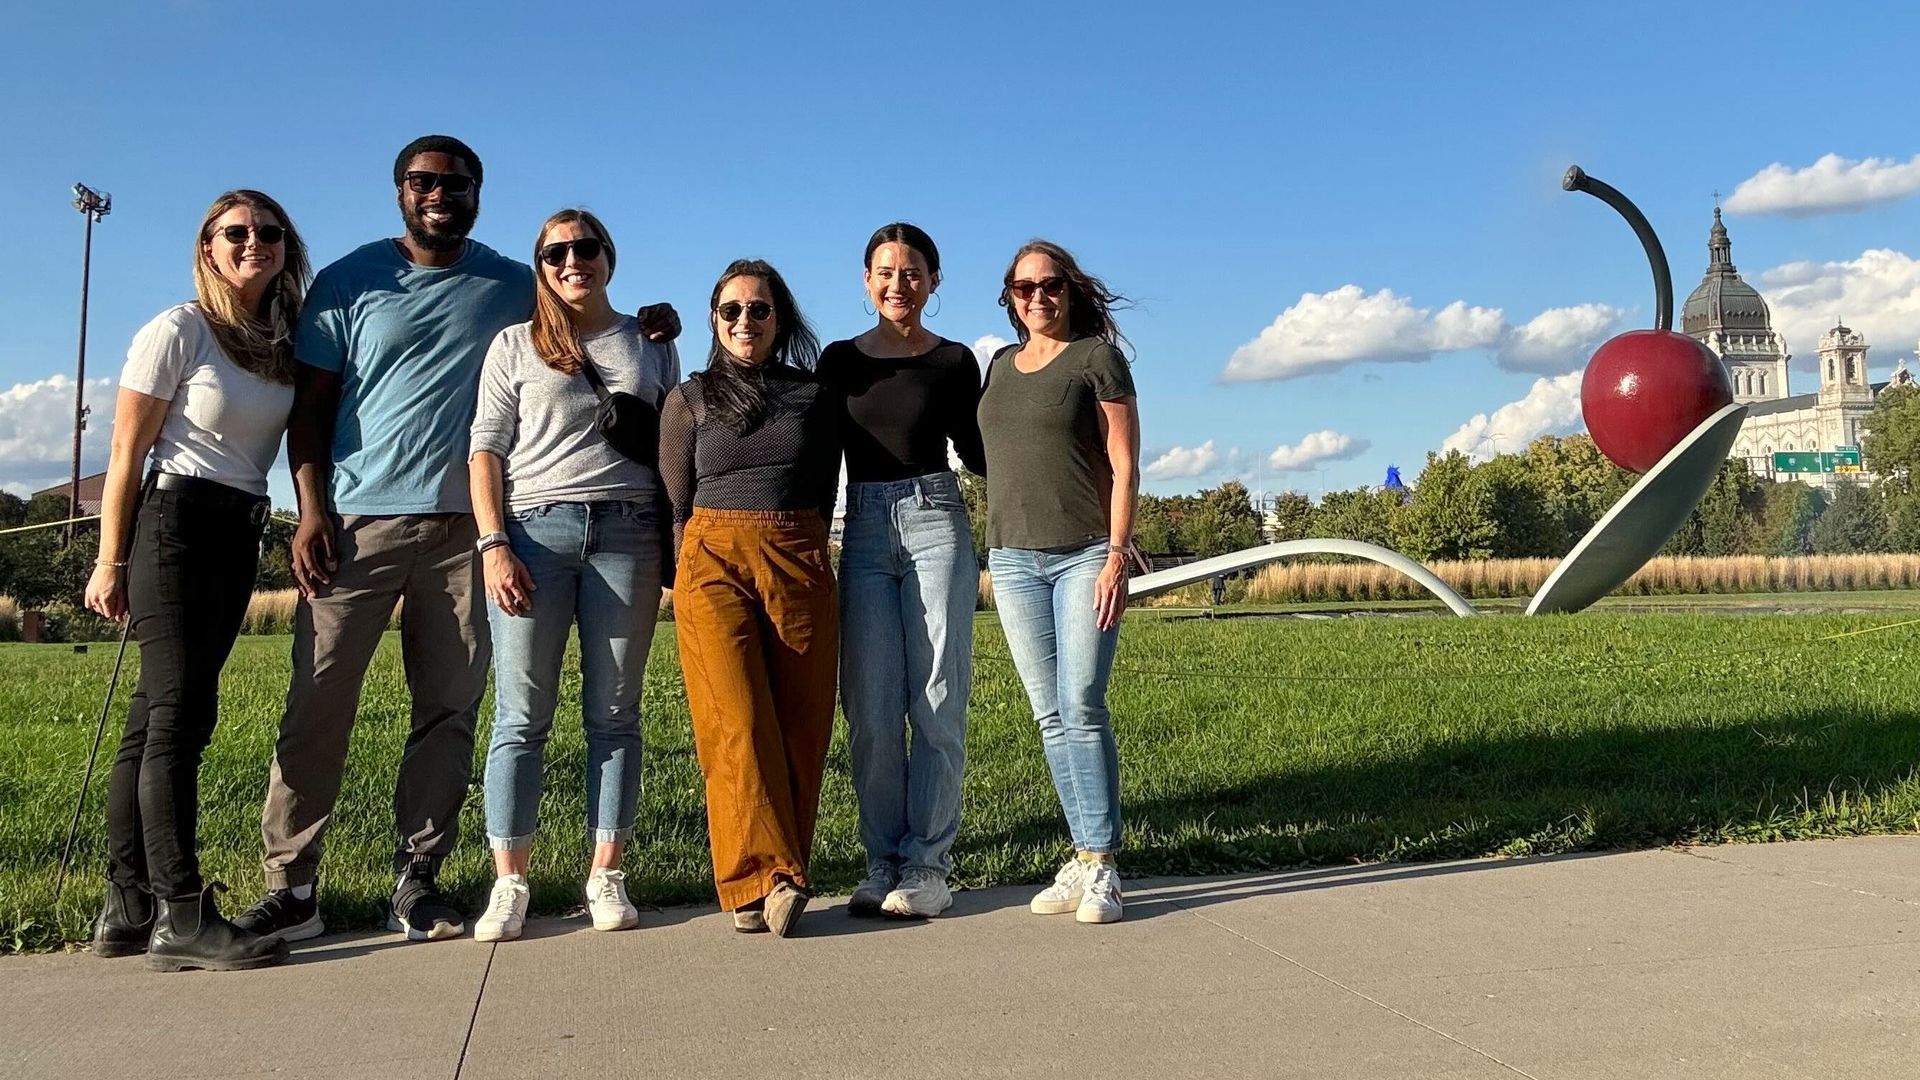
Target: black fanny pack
x: 629, y: 424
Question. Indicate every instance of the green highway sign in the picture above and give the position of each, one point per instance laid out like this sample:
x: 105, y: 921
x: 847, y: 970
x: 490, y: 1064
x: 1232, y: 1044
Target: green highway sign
x: 1799, y: 461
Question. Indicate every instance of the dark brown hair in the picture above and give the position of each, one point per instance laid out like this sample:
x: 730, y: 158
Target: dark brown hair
x: 1090, y: 303
x: 733, y: 390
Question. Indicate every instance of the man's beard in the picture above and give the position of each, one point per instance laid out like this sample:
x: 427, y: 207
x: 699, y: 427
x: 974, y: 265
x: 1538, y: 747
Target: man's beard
x: 450, y: 237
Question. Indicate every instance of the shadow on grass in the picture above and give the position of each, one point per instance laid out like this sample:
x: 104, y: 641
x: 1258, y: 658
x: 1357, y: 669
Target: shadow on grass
x: 1813, y: 772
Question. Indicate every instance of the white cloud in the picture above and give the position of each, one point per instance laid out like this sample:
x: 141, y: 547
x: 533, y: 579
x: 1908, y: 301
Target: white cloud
x: 1321, y: 446
x: 1830, y: 185
x: 986, y: 345
x: 1551, y: 407
x: 36, y: 432
x: 1559, y: 340
x: 1877, y: 294
x: 1327, y: 331
x: 1181, y: 462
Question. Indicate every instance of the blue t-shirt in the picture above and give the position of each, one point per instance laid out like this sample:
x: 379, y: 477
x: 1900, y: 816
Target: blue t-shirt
x: 408, y: 342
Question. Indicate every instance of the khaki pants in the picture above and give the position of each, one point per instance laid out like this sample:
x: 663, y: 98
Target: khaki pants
x: 427, y: 562
x: 758, y: 624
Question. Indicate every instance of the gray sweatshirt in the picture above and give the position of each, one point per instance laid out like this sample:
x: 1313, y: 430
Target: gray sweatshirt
x: 540, y: 421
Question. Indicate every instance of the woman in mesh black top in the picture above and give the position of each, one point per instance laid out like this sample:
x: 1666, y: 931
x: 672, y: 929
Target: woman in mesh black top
x: 908, y: 577
x: 750, y: 456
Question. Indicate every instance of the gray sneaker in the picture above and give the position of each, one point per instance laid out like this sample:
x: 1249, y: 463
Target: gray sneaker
x: 872, y: 893
x: 922, y: 894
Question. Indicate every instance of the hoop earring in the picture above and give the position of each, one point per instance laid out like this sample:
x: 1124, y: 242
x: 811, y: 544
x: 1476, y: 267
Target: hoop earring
x: 935, y: 311
x: 866, y: 307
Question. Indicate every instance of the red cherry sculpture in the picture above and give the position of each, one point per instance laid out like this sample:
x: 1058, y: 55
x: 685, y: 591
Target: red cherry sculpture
x: 1645, y: 390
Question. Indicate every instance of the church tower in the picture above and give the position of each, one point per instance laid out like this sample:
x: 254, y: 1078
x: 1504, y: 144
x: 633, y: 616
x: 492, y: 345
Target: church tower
x: 1727, y: 316
x: 1845, y: 395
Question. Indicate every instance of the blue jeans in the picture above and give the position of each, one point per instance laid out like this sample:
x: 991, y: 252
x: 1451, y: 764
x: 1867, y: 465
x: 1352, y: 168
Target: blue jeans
x: 1045, y: 600
x: 597, y: 564
x: 908, y: 583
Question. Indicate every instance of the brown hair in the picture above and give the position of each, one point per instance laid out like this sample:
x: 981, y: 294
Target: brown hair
x: 556, y: 339
x: 734, y: 394
x: 1090, y: 303
x: 258, y: 341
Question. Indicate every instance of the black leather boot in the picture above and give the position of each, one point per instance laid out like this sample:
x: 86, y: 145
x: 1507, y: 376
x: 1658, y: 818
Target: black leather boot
x: 189, y: 933
x: 125, y: 922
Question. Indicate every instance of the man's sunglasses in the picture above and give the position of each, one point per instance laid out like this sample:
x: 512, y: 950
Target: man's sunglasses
x: 1052, y: 286
x: 237, y: 234
x: 758, y: 311
x: 586, y: 249
x: 420, y: 182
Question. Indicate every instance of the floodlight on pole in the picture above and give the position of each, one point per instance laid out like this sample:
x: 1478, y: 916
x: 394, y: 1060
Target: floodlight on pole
x: 93, y: 205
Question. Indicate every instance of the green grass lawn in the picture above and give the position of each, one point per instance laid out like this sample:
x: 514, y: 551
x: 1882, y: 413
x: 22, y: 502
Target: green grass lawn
x: 1245, y: 743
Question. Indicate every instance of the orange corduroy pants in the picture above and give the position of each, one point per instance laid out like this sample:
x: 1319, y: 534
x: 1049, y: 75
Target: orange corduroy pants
x: 757, y: 622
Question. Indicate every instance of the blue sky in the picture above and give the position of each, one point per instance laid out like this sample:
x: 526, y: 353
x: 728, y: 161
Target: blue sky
x: 1226, y: 166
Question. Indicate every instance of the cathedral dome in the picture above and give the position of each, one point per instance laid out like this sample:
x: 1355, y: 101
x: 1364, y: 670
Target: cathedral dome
x: 1722, y: 301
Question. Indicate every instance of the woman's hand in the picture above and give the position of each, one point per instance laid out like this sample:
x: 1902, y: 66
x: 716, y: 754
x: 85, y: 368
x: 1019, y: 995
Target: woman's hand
x: 1110, y: 591
x: 107, y: 591
x: 509, y: 585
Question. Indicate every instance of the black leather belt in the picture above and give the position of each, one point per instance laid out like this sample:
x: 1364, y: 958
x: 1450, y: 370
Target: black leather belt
x: 256, y: 507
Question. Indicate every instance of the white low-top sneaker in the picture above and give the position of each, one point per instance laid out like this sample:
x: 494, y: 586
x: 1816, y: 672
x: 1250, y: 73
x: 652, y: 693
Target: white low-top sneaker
x: 1100, y: 893
x: 506, y: 913
x: 607, y: 900
x: 1064, y: 894
x: 868, y: 897
x: 922, y: 894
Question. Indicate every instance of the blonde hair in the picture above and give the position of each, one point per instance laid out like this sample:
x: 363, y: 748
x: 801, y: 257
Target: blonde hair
x: 261, y: 345
x: 556, y: 338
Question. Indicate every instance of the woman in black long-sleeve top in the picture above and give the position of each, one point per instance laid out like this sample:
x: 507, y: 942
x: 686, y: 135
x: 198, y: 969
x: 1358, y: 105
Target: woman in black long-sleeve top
x: 908, y: 577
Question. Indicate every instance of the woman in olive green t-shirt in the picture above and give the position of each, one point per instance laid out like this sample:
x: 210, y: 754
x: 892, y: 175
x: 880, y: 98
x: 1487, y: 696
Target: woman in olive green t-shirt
x: 1062, y: 434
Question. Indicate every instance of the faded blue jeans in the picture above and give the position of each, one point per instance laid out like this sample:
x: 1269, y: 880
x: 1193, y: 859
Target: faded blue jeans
x: 908, y: 584
x: 597, y: 564
x: 1045, y: 601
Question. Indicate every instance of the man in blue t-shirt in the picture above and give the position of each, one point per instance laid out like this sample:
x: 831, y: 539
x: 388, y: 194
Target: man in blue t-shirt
x: 390, y: 345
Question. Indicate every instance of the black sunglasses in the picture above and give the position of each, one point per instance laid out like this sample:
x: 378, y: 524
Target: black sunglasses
x: 1052, y: 286
x: 586, y: 249
x: 758, y: 311
x: 237, y: 234
x: 420, y: 182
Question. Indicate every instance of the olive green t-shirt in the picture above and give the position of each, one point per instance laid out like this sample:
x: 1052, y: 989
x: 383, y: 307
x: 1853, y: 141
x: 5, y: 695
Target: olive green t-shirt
x: 1048, y: 477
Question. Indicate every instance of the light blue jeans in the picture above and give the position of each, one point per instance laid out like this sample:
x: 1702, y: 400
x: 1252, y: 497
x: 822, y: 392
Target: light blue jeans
x: 908, y: 583
x: 597, y: 564
x: 1045, y: 601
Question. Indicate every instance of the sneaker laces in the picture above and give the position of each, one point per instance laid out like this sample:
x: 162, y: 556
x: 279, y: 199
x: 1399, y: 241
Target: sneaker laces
x: 1103, y: 882
x: 881, y: 879
x: 500, y: 905
x: 918, y: 878
x: 613, y: 886
x: 1071, y: 876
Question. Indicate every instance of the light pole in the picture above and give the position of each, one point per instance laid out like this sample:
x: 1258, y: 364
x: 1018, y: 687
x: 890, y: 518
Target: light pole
x: 93, y: 205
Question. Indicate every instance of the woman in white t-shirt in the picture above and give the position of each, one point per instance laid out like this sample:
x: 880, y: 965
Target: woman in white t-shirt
x: 206, y: 392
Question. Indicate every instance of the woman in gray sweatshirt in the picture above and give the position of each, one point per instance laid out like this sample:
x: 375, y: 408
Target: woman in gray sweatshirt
x: 571, y: 534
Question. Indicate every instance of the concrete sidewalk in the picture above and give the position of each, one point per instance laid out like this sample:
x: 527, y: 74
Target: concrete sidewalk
x: 1749, y: 961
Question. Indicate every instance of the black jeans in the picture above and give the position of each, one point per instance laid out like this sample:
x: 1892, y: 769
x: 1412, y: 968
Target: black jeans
x: 190, y: 575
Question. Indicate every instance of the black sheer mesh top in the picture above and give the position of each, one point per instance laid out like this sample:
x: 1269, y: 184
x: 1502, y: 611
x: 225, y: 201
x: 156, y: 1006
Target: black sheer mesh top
x: 789, y: 461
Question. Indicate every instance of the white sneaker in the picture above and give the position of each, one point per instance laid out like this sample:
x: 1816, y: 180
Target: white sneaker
x: 607, y: 901
x: 506, y: 913
x: 922, y: 894
x: 1064, y: 894
x: 1100, y: 893
x: 872, y: 893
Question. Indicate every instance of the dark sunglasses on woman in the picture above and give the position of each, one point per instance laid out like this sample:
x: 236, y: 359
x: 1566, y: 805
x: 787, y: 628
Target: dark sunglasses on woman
x: 420, y: 182
x: 586, y: 249
x: 1024, y: 289
x: 758, y: 311
x: 268, y: 234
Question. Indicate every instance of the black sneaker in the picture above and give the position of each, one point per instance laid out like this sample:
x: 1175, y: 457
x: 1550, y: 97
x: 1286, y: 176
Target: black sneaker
x: 283, y: 915
x: 420, y: 912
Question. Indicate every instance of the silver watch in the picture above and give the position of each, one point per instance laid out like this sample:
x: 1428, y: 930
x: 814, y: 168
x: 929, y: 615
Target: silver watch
x: 491, y: 540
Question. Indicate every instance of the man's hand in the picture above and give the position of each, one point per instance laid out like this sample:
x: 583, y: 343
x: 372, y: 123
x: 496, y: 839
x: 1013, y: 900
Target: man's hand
x: 659, y: 322
x: 313, y: 554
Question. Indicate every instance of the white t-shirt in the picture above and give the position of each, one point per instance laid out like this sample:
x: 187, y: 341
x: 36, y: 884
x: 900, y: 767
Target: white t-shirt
x: 224, y: 423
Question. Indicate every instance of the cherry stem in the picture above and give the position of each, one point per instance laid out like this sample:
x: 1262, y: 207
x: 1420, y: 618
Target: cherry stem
x: 1578, y: 180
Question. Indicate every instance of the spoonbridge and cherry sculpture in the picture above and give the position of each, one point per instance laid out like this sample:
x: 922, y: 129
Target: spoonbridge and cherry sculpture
x: 1657, y: 403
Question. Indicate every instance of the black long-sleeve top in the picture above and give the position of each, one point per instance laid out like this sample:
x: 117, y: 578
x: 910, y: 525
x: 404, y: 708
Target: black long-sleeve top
x: 901, y: 411
x: 789, y: 461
